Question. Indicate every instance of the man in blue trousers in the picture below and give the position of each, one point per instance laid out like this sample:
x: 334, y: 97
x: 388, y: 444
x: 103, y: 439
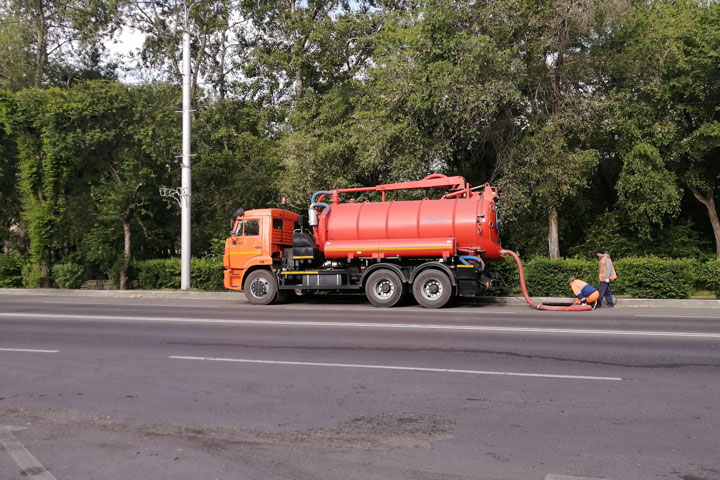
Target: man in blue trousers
x: 606, y: 275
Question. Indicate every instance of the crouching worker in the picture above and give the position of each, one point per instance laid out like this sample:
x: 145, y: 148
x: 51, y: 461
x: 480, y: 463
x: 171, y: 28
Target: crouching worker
x: 586, y: 294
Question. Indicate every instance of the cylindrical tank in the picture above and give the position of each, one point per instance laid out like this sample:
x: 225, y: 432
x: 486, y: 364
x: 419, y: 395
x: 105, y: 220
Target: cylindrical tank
x: 412, y: 229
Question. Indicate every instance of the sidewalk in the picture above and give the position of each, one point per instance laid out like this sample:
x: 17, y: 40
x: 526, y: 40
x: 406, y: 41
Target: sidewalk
x: 240, y: 297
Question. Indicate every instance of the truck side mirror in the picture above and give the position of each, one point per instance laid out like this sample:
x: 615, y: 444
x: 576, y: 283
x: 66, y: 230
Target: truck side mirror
x: 301, y: 221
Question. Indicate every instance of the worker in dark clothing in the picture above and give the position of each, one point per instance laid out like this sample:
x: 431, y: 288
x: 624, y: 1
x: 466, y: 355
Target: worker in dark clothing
x: 606, y: 275
x: 586, y: 294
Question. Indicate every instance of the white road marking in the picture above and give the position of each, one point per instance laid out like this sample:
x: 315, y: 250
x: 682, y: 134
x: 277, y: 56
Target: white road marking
x: 393, y: 367
x: 398, y: 311
x: 402, y: 326
x: 30, y: 466
x: 714, y: 317
x: 29, y: 350
x: 565, y: 477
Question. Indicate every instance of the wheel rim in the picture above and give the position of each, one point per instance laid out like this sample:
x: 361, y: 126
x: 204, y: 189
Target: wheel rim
x: 259, y: 287
x: 384, y: 288
x: 431, y: 289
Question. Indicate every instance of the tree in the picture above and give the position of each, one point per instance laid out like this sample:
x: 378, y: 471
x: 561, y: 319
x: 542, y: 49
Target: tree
x: 552, y: 160
x: 667, y: 97
x: 296, y: 46
x: 214, y: 31
x: 646, y: 190
x: 43, y: 33
x: 9, y: 213
x: 236, y: 165
x: 42, y: 124
x: 133, y: 160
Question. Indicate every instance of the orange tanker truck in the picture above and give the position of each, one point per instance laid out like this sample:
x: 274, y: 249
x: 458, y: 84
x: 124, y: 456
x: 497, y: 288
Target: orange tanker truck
x: 434, y: 248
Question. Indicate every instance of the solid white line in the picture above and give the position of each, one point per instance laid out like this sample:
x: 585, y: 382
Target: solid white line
x: 399, y: 311
x: 408, y: 326
x: 31, y: 467
x: 392, y: 367
x: 715, y: 317
x: 27, y: 350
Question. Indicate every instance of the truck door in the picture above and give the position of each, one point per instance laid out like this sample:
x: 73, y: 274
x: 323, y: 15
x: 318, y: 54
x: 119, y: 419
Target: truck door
x: 247, y: 242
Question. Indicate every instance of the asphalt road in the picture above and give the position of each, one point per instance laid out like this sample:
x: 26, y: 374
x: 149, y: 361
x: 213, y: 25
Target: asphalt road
x: 176, y: 389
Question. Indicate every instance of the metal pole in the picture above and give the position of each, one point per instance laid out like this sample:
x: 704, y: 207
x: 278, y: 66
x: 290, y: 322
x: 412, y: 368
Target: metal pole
x: 186, y: 171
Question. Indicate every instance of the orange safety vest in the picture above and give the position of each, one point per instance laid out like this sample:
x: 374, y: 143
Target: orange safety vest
x: 603, y: 273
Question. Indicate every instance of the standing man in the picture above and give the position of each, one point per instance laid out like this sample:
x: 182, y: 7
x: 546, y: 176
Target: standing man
x: 606, y: 274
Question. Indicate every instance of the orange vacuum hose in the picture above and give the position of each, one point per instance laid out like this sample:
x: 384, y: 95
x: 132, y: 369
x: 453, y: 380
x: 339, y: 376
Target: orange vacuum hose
x: 569, y: 308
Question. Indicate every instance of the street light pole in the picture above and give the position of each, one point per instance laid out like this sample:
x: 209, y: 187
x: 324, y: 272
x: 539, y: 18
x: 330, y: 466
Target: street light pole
x: 186, y: 193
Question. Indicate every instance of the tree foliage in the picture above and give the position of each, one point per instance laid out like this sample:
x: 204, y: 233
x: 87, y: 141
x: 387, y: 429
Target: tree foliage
x: 599, y: 120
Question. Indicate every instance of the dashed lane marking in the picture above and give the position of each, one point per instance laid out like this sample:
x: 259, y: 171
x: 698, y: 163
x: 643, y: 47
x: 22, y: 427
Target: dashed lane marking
x: 565, y: 477
x: 395, y: 367
x: 27, y: 350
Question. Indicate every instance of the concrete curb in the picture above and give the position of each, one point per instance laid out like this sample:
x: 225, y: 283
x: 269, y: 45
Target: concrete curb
x: 240, y: 297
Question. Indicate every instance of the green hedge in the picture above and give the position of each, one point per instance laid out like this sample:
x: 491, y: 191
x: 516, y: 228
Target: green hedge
x: 205, y: 274
x: 655, y: 277
x: 11, y: 267
x: 68, y: 275
x: 549, y: 278
x: 637, y: 277
x: 709, y: 276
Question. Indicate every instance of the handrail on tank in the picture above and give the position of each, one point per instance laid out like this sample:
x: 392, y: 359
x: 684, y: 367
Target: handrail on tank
x: 457, y: 183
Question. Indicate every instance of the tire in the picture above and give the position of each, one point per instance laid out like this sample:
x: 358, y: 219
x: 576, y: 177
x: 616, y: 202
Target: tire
x: 384, y: 288
x: 261, y: 287
x: 432, y: 289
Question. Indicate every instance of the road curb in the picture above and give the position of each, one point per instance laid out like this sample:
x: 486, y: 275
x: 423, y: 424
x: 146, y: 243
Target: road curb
x: 233, y: 296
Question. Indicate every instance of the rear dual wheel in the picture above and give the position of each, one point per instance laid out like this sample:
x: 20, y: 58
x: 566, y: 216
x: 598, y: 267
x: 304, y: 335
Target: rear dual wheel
x: 384, y: 288
x: 432, y: 288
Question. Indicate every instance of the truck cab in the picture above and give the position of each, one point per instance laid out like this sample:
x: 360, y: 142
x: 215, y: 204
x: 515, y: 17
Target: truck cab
x: 257, y: 239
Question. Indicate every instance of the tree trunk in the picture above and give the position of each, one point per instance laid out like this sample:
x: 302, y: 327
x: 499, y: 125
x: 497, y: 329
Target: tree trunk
x: 709, y: 201
x: 553, y: 236
x: 45, y: 272
x: 41, y: 48
x: 127, y: 256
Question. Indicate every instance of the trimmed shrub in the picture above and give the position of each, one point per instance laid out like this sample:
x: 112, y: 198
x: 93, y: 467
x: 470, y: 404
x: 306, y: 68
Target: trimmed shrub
x: 637, y: 277
x: 509, y: 278
x: 158, y: 274
x: 709, y: 275
x: 11, y: 267
x: 68, y: 275
x: 655, y: 277
x: 549, y: 278
x: 205, y: 274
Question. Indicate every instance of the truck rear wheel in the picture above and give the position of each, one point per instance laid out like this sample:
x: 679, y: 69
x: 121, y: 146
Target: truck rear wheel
x: 261, y: 287
x: 432, y: 289
x: 384, y: 288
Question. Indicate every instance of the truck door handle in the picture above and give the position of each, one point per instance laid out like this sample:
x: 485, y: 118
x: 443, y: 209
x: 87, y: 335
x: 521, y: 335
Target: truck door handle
x: 258, y: 248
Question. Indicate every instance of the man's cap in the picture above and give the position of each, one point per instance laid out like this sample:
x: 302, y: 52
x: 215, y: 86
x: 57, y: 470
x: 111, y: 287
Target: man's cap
x: 600, y: 250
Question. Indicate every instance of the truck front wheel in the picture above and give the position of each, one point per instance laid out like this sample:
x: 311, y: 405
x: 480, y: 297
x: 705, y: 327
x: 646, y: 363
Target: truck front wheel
x: 261, y: 287
x: 432, y: 289
x: 384, y: 288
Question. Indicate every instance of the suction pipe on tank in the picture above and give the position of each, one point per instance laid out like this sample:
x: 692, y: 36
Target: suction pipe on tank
x: 569, y: 308
x: 318, y: 193
x: 312, y: 213
x: 466, y: 259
